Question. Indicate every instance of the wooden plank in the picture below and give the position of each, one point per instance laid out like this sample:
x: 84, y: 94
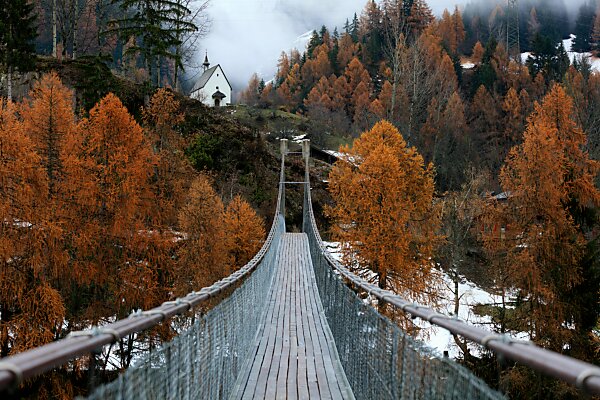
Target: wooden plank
x: 302, y: 373
x: 292, y: 378
x: 265, y: 353
x: 263, y: 377
x: 295, y: 357
x: 315, y: 328
x: 307, y: 316
x: 250, y: 376
x: 279, y: 364
x: 331, y: 378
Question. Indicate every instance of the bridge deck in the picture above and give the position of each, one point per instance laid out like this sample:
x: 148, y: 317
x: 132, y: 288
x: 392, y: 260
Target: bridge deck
x: 295, y: 356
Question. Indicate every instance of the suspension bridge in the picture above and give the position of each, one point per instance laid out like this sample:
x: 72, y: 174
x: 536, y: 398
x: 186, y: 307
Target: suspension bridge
x: 292, y: 326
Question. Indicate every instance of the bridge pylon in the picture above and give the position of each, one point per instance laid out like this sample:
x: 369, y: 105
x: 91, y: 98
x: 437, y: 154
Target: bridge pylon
x: 283, y: 147
x: 513, y: 37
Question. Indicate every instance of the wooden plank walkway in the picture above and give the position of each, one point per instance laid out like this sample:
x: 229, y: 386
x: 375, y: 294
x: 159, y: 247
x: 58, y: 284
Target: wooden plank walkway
x: 294, y: 355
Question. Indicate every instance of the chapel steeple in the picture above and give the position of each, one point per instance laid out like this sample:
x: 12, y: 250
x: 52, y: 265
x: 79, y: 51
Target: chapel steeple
x: 206, y: 63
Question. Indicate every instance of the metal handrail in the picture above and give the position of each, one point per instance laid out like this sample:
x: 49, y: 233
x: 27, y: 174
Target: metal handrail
x: 15, y: 369
x: 581, y: 374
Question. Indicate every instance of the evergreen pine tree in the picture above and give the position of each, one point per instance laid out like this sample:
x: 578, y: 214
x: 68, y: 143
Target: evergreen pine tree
x: 354, y: 27
x: 407, y: 6
x: 347, y: 26
x: 158, y: 26
x: 17, y: 34
x: 550, y: 60
x: 315, y: 41
x: 584, y: 26
x: 596, y: 32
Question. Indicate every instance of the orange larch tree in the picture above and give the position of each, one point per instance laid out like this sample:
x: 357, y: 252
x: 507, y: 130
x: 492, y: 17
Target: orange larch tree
x: 317, y: 92
x: 114, y: 202
x: 341, y: 93
x: 49, y: 120
x: 245, y: 231
x: 283, y: 68
x: 478, y: 51
x: 444, y: 29
x: 289, y: 91
x: 356, y: 73
x: 377, y: 109
x: 32, y: 312
x: 383, y: 214
x: 550, y: 181
x: 458, y: 30
x: 514, y: 118
x: 203, y: 256
x: 251, y: 95
x: 170, y: 182
x: 360, y: 105
x: 420, y: 17
x: 347, y: 51
x: 485, y: 120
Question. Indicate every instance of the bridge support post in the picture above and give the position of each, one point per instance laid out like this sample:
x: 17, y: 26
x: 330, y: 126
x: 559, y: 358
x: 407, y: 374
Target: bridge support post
x: 306, y: 156
x: 283, y: 145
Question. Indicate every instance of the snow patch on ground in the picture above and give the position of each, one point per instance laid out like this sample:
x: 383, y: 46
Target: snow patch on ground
x: 298, y: 138
x: 333, y: 153
x: 470, y: 295
x: 568, y: 45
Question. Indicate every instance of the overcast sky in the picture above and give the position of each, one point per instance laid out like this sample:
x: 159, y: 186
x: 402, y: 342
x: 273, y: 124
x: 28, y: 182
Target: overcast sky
x: 247, y: 36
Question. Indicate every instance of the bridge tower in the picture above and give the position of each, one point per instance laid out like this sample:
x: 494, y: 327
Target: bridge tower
x: 513, y: 37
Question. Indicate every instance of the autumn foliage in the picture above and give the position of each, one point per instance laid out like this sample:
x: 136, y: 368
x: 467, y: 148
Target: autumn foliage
x: 384, y: 214
x: 101, y: 216
x: 550, y: 182
x: 244, y: 229
x: 219, y: 240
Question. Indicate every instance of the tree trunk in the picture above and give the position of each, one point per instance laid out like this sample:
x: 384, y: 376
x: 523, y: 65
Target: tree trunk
x: 54, y: 28
x: 75, y: 25
x: 503, y: 312
x: 158, y: 71
x: 9, y: 83
x: 176, y: 74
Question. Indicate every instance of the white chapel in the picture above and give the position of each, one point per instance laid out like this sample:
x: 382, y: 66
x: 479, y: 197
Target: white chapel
x: 212, y: 88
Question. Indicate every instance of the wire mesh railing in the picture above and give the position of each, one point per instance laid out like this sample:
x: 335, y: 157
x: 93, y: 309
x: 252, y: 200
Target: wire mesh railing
x: 379, y: 359
x: 211, y: 352
x: 382, y: 362
x: 205, y: 361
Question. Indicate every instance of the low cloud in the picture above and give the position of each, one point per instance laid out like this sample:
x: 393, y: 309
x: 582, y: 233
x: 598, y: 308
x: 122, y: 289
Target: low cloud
x: 248, y: 35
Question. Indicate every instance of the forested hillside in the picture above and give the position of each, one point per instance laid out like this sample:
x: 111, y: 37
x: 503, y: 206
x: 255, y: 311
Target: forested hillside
x: 511, y: 147
x: 382, y: 64
x: 470, y: 155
